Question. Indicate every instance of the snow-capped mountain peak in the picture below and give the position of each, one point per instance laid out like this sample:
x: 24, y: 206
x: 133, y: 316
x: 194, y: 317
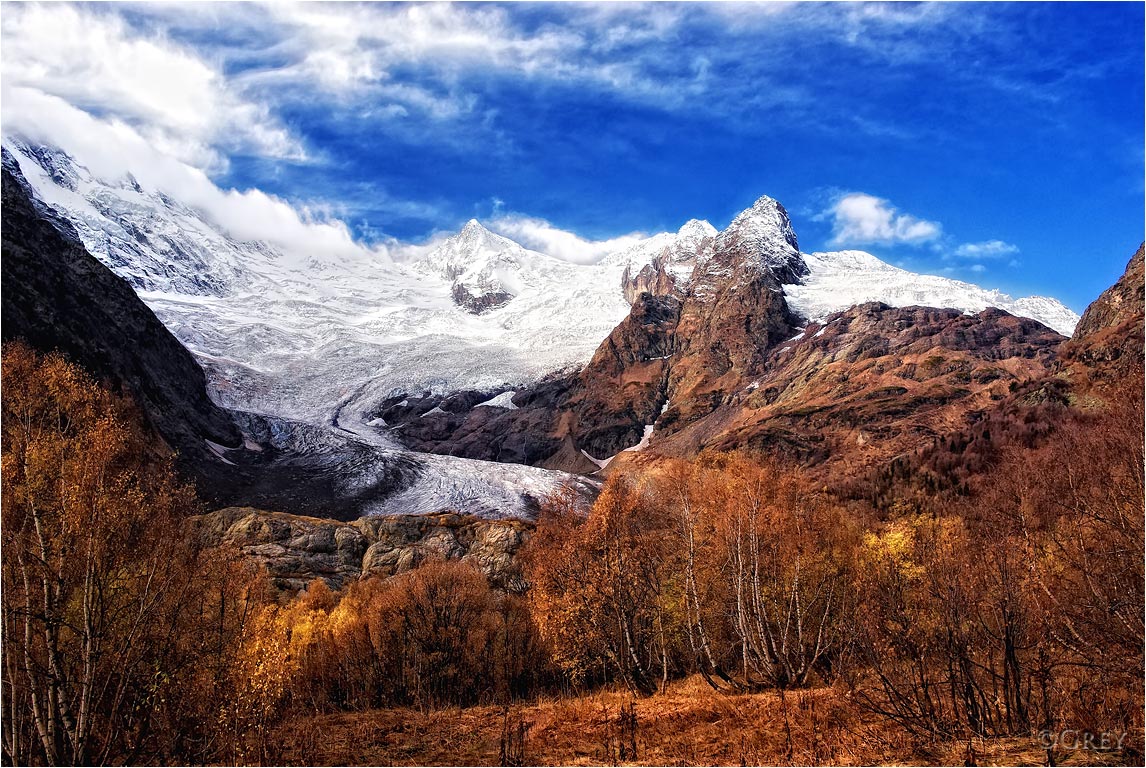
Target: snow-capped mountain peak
x: 762, y: 236
x: 475, y: 235
x: 485, y: 270
x: 473, y: 243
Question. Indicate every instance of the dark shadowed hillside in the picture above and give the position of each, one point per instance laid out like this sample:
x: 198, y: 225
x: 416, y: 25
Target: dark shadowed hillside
x: 56, y: 296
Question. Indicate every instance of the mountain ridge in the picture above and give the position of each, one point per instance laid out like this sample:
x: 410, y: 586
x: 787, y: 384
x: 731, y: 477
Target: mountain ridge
x: 598, y: 358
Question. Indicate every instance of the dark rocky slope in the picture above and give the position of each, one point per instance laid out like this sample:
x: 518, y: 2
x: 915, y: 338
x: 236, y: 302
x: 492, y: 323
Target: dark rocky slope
x: 56, y: 296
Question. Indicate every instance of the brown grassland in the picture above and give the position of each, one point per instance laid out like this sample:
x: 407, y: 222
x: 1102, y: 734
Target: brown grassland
x: 689, y: 724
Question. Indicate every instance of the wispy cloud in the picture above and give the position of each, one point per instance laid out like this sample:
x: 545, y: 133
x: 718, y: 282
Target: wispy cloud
x: 861, y: 219
x: 540, y: 235
x: 988, y: 249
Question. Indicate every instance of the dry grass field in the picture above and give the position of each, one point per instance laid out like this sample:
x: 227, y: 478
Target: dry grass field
x: 689, y: 724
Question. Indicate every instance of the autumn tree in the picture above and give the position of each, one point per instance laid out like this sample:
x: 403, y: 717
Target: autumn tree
x: 1077, y: 508
x: 602, y: 586
x: 1020, y: 608
x: 105, y: 596
x: 766, y: 564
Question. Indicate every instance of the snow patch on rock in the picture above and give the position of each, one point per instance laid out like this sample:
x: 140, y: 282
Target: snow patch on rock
x: 504, y: 400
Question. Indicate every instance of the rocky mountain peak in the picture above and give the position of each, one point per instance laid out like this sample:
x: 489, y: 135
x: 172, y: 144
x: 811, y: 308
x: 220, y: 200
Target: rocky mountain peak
x: 762, y: 236
x: 695, y: 230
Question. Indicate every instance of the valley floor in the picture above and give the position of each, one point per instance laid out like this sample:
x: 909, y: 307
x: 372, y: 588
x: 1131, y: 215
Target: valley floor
x: 689, y: 724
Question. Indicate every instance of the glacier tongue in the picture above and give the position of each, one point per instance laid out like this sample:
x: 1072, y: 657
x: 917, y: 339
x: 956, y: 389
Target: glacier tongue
x: 843, y: 279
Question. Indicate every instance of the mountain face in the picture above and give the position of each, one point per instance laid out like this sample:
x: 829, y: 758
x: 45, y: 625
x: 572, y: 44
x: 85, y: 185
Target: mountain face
x: 1108, y: 341
x: 1099, y: 367
x: 484, y: 351
x: 57, y: 297
x: 720, y: 361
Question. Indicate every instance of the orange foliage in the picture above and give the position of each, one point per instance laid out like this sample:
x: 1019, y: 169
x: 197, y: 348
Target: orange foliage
x: 109, y: 612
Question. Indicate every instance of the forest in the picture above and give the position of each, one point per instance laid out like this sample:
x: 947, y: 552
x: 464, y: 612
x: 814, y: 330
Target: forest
x: 1004, y: 606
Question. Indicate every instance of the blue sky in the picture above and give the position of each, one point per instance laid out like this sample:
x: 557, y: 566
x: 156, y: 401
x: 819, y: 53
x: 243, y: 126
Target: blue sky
x: 998, y: 143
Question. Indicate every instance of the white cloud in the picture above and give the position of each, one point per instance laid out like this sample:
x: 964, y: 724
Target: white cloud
x: 180, y: 103
x: 540, y: 235
x: 989, y: 249
x: 977, y: 268
x: 434, y: 59
x: 111, y: 149
x: 859, y: 218
x: 347, y: 47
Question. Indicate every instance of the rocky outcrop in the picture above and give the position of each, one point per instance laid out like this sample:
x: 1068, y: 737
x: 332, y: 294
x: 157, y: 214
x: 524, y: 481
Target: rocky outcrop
x: 653, y: 278
x: 870, y: 383
x: 480, y: 302
x: 1120, y: 303
x: 668, y: 273
x: 296, y: 550
x: 1108, y: 341
x: 56, y: 296
x: 623, y: 388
